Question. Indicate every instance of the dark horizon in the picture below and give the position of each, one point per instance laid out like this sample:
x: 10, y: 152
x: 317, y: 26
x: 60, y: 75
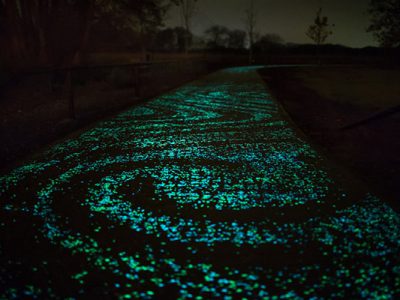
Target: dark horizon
x: 287, y: 18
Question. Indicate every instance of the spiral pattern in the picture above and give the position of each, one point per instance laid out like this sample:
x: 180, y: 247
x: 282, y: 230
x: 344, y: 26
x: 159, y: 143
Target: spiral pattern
x: 205, y: 192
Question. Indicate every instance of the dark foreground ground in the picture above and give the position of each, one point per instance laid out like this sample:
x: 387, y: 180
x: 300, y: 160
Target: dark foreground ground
x: 206, y: 192
x: 322, y: 100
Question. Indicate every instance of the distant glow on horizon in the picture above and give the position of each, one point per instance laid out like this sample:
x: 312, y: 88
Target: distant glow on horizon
x: 205, y: 192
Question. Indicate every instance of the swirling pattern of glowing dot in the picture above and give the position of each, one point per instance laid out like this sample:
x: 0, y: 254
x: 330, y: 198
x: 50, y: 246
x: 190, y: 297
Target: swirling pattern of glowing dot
x: 205, y: 192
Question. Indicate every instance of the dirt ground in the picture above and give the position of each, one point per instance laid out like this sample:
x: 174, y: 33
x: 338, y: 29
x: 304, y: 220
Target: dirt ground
x: 323, y: 100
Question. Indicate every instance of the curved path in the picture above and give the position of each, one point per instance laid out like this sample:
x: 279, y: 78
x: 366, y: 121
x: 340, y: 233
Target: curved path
x: 206, y: 192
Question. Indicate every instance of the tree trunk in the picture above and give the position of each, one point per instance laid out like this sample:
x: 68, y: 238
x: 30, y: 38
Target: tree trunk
x: 83, y: 42
x: 43, y: 55
x: 77, y: 58
x: 187, y: 37
x: 70, y: 93
x: 251, y: 49
x: 318, y: 53
x: 143, y: 43
x: 16, y: 51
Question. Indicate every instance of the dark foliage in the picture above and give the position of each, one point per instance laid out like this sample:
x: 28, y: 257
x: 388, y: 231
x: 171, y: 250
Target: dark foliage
x: 385, y: 22
x: 221, y: 37
x: 269, y: 43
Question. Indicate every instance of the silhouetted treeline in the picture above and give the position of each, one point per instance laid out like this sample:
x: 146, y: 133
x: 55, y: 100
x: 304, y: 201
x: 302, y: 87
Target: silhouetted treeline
x: 58, y: 33
x: 334, y: 49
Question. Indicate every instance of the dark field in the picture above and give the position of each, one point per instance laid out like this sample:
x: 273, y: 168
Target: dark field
x: 323, y: 100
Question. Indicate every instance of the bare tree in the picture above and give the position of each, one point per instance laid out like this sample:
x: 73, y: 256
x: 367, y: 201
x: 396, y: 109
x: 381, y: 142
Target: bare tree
x: 319, y: 31
x: 56, y: 33
x: 187, y: 11
x: 44, y: 32
x: 251, y: 22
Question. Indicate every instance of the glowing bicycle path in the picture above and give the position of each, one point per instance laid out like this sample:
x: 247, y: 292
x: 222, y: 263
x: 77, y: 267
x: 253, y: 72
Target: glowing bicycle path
x: 206, y: 192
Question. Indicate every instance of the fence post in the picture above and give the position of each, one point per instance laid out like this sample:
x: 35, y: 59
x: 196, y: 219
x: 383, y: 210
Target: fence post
x: 137, y: 81
x: 70, y: 94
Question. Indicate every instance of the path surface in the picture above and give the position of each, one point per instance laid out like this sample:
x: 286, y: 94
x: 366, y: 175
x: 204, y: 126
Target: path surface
x: 205, y: 192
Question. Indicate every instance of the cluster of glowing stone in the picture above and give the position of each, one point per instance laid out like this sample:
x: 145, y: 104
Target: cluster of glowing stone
x: 206, y: 192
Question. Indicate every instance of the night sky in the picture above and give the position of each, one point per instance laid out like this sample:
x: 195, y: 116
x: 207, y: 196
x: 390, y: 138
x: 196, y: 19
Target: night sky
x: 288, y: 18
